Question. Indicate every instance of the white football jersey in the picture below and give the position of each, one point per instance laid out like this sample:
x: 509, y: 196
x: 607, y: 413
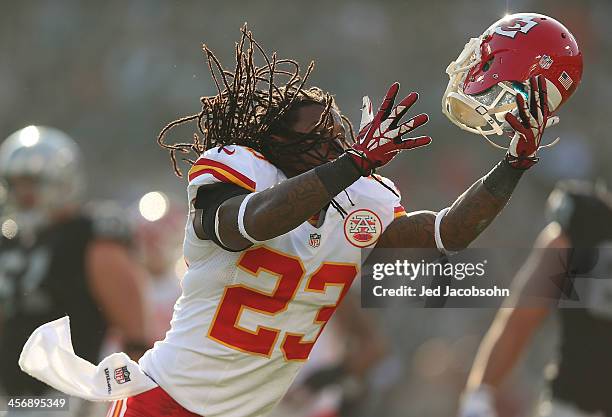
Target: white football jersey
x: 246, y: 321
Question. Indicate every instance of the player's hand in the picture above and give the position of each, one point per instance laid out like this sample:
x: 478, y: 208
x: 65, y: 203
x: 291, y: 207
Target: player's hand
x: 380, y: 136
x: 529, y: 126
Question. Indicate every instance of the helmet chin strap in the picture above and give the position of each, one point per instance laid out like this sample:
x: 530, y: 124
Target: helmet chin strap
x: 467, y: 59
x: 495, y: 145
x: 472, y: 47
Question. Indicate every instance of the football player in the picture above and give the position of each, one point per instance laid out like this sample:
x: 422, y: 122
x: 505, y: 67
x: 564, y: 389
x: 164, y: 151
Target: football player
x: 282, y: 201
x: 57, y: 258
x: 575, y: 244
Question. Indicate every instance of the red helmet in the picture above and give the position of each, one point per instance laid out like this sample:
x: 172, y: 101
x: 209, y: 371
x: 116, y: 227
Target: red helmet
x: 494, y: 67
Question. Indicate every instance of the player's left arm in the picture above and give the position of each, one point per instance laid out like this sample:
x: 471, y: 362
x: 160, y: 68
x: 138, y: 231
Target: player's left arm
x: 467, y: 217
x: 476, y: 208
x: 116, y: 283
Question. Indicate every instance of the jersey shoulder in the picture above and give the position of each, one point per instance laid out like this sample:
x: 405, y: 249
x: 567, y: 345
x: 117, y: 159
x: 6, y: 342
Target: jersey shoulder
x: 233, y: 164
x: 371, y: 191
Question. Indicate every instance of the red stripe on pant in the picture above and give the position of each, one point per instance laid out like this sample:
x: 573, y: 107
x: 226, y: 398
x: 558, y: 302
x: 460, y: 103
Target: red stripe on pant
x: 152, y: 403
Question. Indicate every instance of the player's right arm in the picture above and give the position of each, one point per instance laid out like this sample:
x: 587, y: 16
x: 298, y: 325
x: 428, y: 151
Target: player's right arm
x: 236, y: 223
x: 281, y: 208
x: 515, y: 323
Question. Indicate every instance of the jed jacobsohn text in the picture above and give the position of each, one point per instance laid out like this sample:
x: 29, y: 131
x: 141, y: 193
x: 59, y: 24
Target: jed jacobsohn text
x: 412, y: 270
x: 440, y: 291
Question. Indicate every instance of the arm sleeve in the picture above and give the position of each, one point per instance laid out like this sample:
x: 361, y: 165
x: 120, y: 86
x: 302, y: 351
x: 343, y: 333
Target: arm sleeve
x: 208, y: 199
x: 217, y: 175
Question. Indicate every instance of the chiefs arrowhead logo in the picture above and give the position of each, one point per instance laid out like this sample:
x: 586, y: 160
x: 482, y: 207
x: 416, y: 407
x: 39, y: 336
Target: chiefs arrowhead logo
x: 362, y: 228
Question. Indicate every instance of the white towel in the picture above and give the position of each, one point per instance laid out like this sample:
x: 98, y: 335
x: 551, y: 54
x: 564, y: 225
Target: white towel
x: 48, y: 355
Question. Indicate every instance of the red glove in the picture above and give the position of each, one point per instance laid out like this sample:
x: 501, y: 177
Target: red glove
x: 529, y: 130
x: 380, y: 136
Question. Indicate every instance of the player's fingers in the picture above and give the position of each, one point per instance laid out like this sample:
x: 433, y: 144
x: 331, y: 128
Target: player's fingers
x: 366, y: 112
x: 514, y: 122
x: 409, y: 126
x: 403, y: 106
x: 523, y: 111
x: 411, y: 143
x: 363, y: 132
x: 387, y: 104
x: 539, y: 113
x: 543, y: 96
x: 533, y: 96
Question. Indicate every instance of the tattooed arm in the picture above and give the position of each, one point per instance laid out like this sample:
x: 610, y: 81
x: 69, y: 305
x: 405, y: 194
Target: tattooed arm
x: 469, y: 215
x: 282, y: 208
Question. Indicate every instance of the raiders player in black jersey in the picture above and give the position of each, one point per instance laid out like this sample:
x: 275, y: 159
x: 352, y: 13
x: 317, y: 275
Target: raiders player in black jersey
x: 58, y: 259
x: 576, y: 244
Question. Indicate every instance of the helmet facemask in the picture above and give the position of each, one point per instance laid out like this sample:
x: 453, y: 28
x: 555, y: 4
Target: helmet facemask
x: 481, y: 113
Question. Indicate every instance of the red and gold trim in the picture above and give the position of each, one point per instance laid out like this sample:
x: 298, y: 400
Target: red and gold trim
x: 255, y: 153
x: 221, y: 172
x: 117, y: 409
x: 399, y: 211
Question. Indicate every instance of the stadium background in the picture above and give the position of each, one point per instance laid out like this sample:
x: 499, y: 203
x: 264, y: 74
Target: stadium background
x: 112, y: 73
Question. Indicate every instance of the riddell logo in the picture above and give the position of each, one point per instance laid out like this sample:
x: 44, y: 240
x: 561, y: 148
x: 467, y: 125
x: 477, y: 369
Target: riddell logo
x: 362, y: 228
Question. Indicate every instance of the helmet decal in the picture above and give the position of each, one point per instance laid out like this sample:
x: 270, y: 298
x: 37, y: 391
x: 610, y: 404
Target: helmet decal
x: 514, y: 26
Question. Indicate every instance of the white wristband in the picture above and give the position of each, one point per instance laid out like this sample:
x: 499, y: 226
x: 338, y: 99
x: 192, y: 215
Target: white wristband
x: 217, y: 227
x: 437, y: 235
x: 241, y: 228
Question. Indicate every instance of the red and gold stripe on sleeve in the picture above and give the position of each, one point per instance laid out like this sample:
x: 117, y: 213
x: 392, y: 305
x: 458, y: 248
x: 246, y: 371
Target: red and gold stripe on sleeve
x: 399, y: 211
x: 221, y: 172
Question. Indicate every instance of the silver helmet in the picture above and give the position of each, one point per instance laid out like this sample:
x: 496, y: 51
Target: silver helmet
x: 49, y: 157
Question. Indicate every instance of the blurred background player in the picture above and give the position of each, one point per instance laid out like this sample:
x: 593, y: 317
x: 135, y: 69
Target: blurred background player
x: 57, y: 258
x: 158, y: 239
x: 157, y: 224
x: 575, y: 246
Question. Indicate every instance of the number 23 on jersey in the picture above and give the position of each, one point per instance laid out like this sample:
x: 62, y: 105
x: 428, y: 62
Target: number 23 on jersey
x: 290, y: 272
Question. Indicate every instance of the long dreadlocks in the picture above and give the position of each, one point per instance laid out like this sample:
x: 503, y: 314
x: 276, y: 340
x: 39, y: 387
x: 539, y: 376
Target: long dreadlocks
x: 252, y: 104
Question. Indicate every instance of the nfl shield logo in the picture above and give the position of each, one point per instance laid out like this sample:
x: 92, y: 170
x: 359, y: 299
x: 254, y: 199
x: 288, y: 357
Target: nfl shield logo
x: 122, y: 375
x: 546, y: 62
x: 315, y: 240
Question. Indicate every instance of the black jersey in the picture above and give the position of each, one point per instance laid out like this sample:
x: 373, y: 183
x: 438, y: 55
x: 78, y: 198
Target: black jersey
x: 43, y: 281
x: 584, y: 374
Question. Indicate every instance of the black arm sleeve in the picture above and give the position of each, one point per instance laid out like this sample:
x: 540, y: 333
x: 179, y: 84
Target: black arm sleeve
x: 207, y: 202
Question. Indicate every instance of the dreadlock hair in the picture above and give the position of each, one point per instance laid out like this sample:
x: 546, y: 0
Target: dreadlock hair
x: 255, y: 102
